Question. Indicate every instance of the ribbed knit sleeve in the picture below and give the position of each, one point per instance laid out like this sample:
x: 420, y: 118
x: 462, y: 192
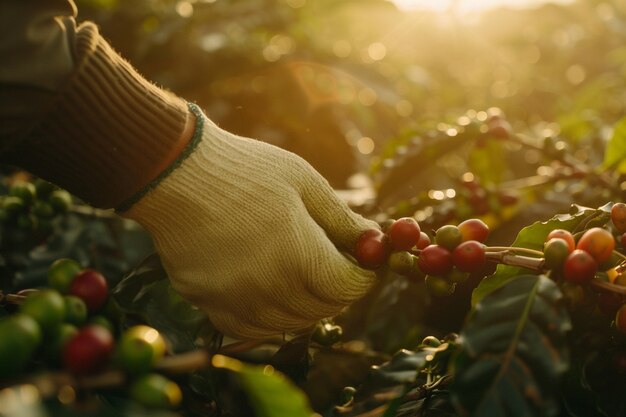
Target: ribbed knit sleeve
x: 109, y: 132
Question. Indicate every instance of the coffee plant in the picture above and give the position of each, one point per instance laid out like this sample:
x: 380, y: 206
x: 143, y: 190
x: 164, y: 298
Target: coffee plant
x: 491, y: 156
x: 541, y: 328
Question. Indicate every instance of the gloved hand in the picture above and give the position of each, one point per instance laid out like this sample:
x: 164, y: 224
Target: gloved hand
x: 245, y: 230
x: 248, y: 233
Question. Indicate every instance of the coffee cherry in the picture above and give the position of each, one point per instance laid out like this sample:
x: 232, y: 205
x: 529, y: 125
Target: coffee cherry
x: 60, y: 200
x: 156, y: 391
x: 88, y: 351
x: 61, y: 274
x: 75, y: 310
x: 618, y: 217
x: 371, y: 249
x: 423, y: 241
x: 580, y: 267
x: 46, y: 307
x: 19, y: 338
x: 401, y: 262
x: 555, y: 251
x: 439, y: 286
x: 24, y: 190
x: 597, y: 242
x: 13, y: 205
x: 620, y: 319
x: 139, y: 349
x: 435, y: 260
x: 474, y: 229
x: 448, y: 236
x: 92, y: 287
x: 563, y: 234
x: 43, y: 188
x: 431, y: 341
x: 404, y: 233
x: 469, y: 256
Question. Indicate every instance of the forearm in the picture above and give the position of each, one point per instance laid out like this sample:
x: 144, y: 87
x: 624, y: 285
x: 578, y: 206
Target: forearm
x: 92, y: 125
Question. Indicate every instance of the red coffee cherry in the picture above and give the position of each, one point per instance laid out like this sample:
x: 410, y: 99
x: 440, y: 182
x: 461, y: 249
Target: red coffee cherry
x: 92, y: 287
x: 580, y: 267
x: 469, y: 256
x: 371, y: 249
x: 474, y: 229
x: 435, y: 260
x: 404, y: 233
x: 618, y: 217
x: 89, y: 350
x: 597, y: 242
x: 423, y: 241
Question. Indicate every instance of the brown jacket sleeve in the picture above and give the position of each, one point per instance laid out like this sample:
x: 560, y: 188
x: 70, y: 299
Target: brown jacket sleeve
x: 74, y: 112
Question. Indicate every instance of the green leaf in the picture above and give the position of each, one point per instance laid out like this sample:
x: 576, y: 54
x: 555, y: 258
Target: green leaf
x: 534, y: 236
x: 405, y: 385
x: 615, y: 155
x: 270, y: 392
x: 512, y: 351
x: 146, y: 293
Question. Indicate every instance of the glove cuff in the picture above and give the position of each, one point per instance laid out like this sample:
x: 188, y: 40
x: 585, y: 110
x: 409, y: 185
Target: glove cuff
x: 109, y: 133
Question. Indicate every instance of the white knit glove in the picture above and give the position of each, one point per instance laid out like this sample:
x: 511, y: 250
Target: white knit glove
x: 249, y: 233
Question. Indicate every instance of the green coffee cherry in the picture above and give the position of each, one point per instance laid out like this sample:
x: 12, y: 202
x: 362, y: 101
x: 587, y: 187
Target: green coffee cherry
x: 24, y: 190
x: 401, y: 262
x: 60, y: 200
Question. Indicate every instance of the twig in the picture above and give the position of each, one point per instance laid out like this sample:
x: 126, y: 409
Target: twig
x: 511, y: 259
x: 607, y: 286
x: 514, y: 249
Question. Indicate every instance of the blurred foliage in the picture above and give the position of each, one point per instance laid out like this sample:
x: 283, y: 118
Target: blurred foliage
x: 333, y: 80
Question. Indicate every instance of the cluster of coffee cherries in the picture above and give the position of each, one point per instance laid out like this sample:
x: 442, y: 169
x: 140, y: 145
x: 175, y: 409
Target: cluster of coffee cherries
x: 579, y: 259
x: 457, y: 251
x: 70, y: 326
x: 29, y: 209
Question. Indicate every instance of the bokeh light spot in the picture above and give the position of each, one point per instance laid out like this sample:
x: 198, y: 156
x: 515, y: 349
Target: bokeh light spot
x: 575, y: 74
x: 365, y: 145
x: 377, y: 51
x: 404, y: 108
x: 184, y: 9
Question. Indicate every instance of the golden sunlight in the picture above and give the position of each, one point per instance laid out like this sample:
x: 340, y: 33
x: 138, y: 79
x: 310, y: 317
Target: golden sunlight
x: 469, y: 6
